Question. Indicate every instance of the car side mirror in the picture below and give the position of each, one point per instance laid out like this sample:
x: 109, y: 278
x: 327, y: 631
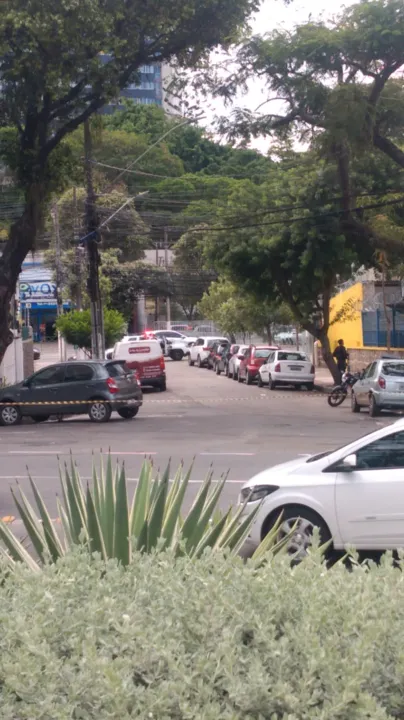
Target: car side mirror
x: 348, y: 464
x: 26, y: 383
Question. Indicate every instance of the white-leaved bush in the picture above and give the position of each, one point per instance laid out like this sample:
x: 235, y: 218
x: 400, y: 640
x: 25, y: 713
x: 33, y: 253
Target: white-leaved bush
x: 210, y: 639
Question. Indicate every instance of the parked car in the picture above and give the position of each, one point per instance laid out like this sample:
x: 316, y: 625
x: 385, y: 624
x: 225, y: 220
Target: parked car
x: 216, y: 352
x: 182, y: 328
x: 380, y: 387
x: 253, y: 358
x: 222, y: 362
x: 354, y: 495
x: 96, y: 387
x: 199, y: 351
x: 235, y: 360
x: 284, y: 367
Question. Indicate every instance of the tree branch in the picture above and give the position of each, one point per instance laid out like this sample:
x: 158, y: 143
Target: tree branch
x: 389, y: 148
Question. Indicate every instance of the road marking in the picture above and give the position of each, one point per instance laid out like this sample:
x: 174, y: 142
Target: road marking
x: 243, y: 454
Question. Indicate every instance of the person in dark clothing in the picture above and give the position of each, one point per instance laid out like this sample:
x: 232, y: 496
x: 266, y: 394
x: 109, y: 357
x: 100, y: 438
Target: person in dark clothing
x: 341, y: 355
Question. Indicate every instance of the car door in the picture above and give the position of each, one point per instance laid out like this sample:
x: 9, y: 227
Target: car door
x: 78, y: 387
x: 362, y: 387
x: 370, y: 497
x: 195, y: 348
x: 42, y: 390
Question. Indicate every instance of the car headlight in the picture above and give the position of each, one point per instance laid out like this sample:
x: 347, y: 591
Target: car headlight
x: 258, y: 492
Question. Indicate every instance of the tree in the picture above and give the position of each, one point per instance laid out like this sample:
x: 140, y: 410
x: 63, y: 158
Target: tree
x: 189, y: 277
x: 234, y: 311
x: 338, y: 85
x: 129, y: 280
x: 75, y: 327
x: 62, y: 62
x: 291, y: 256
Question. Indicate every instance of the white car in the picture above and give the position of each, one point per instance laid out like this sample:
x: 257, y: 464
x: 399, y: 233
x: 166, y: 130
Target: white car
x: 354, y: 495
x: 199, y: 351
x: 235, y: 360
x: 285, y: 367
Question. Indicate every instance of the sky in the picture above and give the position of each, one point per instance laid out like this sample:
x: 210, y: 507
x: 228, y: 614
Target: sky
x: 273, y: 14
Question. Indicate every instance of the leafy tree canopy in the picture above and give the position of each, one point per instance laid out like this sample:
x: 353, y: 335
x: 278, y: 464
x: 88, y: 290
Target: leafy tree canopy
x: 75, y: 327
x: 61, y: 62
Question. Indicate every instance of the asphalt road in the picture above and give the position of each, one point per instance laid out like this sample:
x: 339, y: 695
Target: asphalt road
x: 217, y: 421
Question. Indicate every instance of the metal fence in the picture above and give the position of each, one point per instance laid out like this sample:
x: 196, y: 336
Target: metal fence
x: 374, y: 328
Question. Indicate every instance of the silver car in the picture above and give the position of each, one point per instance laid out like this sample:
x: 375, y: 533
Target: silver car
x: 380, y: 387
x: 235, y: 360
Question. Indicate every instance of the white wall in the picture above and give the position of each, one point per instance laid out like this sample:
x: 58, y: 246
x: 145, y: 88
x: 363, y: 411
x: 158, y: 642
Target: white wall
x: 12, y: 367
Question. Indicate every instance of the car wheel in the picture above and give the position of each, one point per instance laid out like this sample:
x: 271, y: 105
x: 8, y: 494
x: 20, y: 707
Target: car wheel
x: 191, y: 363
x: 163, y: 385
x: 235, y: 375
x: 272, y: 384
x: 227, y: 371
x: 10, y: 415
x: 373, y: 409
x: 310, y: 386
x: 40, y: 418
x: 260, y: 383
x: 298, y: 386
x: 218, y: 370
x: 298, y: 522
x: 198, y: 362
x: 355, y: 407
x: 248, y: 378
x: 99, y: 411
x: 239, y: 378
x: 128, y: 413
x: 176, y: 355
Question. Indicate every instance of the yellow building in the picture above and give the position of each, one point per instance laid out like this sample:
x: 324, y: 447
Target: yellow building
x: 358, y: 317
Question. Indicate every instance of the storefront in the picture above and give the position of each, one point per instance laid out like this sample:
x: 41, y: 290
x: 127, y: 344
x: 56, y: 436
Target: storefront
x: 37, y: 298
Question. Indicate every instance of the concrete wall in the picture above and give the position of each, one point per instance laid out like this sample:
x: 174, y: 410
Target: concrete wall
x: 359, y: 359
x: 12, y: 367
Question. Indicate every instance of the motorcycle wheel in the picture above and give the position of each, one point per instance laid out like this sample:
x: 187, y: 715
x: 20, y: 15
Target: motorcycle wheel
x: 337, y: 396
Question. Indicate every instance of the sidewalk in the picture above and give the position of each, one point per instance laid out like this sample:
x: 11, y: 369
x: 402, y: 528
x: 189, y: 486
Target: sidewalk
x: 50, y: 354
x: 323, y: 380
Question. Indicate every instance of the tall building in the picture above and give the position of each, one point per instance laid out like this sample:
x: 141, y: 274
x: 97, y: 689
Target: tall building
x: 151, y: 88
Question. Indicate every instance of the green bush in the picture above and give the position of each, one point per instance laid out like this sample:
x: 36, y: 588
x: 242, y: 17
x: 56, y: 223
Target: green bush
x: 214, y: 639
x: 75, y: 327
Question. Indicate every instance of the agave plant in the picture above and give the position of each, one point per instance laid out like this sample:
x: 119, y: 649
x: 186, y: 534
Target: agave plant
x: 102, y: 518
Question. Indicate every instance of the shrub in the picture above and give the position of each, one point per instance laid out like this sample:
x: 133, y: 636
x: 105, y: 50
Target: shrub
x: 214, y: 639
x: 75, y: 327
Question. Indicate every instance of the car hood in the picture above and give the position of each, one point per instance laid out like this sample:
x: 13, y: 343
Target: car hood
x: 275, y: 474
x: 10, y: 388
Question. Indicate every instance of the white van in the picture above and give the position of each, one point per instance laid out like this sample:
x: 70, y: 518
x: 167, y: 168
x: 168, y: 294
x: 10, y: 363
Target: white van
x: 146, y: 357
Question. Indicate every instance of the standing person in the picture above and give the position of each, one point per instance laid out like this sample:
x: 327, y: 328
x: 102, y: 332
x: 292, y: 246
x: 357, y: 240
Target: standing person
x: 341, y: 355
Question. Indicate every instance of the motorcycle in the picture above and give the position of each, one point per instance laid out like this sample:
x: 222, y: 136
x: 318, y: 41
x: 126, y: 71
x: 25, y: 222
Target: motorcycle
x: 339, y: 392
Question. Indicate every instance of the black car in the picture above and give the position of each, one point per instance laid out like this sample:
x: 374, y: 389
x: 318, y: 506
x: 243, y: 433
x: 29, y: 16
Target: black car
x: 222, y: 362
x: 95, y: 387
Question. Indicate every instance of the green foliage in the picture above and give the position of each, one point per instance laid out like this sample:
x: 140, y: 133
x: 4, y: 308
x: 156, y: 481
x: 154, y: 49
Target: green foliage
x: 236, y: 312
x: 106, y: 521
x: 128, y: 280
x: 75, y: 327
x: 203, y: 640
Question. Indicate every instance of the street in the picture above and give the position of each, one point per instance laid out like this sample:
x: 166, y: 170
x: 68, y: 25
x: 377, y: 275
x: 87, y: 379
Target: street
x: 228, y: 425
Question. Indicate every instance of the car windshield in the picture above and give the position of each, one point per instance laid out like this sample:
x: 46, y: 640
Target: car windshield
x: 263, y: 353
x: 292, y: 356
x: 393, y: 368
x: 313, y: 458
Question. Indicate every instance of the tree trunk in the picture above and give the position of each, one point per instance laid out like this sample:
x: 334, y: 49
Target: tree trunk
x: 269, y: 332
x: 327, y: 355
x: 20, y: 242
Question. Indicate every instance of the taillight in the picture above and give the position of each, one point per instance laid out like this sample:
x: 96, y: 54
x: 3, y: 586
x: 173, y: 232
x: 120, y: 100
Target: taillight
x: 162, y: 363
x: 112, y: 386
x: 277, y: 367
x: 382, y: 383
x: 206, y: 349
x: 312, y: 370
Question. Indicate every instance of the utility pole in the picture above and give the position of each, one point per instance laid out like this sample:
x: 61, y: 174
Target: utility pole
x: 78, y: 251
x: 59, y: 300
x: 168, y: 301
x: 92, y: 239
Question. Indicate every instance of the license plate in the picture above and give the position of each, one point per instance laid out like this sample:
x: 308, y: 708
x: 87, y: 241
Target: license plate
x: 295, y: 367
